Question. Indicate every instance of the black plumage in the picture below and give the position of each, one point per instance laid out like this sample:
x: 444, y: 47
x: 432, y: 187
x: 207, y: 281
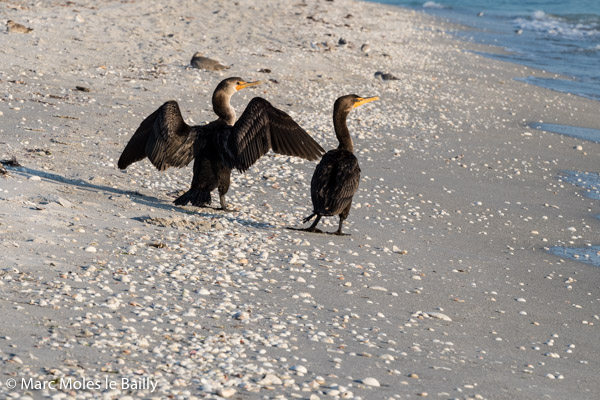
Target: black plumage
x: 219, y: 146
x: 337, y: 175
x: 163, y: 137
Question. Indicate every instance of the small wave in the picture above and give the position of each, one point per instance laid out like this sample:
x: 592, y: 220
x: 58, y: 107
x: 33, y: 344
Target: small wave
x: 539, y: 14
x: 588, y: 50
x: 555, y: 26
x: 432, y: 4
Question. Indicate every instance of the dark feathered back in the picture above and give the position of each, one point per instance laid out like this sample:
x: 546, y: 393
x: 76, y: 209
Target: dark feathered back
x: 334, y: 182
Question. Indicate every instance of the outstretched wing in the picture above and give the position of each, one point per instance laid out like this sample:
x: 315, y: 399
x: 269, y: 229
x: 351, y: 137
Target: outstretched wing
x: 262, y: 127
x: 163, y: 137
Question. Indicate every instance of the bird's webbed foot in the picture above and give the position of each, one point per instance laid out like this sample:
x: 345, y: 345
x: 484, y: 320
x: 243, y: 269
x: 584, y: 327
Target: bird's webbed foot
x: 338, y: 233
x: 313, y: 228
x: 309, y: 229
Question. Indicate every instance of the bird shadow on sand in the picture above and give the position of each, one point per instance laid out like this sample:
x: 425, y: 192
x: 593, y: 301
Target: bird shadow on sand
x: 135, y: 196
x: 80, y: 184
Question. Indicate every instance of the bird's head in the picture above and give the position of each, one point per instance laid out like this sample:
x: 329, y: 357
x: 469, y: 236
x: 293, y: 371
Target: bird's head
x: 347, y: 103
x: 231, y: 85
x: 222, y: 95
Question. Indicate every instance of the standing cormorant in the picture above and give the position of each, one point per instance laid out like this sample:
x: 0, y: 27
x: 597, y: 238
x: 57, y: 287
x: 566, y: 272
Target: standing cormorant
x: 336, y: 177
x: 219, y: 146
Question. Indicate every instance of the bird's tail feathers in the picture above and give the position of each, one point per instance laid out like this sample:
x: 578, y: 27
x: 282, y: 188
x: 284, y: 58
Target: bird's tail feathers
x: 198, y: 198
x: 305, y: 220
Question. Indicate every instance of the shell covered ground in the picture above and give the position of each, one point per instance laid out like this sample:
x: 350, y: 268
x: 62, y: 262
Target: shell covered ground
x: 446, y: 287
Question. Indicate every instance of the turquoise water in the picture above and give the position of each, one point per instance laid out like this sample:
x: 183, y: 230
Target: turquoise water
x: 562, y: 37
x: 588, y: 255
x: 592, y: 135
x: 508, y: 7
x: 590, y: 183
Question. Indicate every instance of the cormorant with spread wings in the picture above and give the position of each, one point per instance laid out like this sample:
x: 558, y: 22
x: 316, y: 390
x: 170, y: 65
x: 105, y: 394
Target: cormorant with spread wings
x: 219, y: 146
x: 337, y: 175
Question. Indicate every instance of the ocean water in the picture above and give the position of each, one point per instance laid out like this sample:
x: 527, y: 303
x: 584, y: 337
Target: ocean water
x: 588, y: 255
x: 561, y: 37
x: 589, y: 134
x: 588, y: 181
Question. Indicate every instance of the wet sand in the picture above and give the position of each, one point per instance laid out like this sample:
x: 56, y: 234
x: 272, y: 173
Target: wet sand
x: 445, y: 289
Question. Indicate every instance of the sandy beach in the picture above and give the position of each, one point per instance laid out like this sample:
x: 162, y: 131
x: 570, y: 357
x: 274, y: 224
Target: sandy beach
x: 445, y: 289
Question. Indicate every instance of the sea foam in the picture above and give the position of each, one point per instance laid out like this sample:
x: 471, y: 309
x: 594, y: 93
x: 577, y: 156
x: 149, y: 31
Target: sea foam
x: 555, y: 26
x: 432, y: 4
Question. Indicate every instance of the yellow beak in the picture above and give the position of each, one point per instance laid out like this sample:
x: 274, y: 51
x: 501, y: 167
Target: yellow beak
x: 244, y: 84
x: 366, y: 100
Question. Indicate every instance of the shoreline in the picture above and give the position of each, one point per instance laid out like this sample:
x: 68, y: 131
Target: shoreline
x: 523, y: 33
x: 445, y: 289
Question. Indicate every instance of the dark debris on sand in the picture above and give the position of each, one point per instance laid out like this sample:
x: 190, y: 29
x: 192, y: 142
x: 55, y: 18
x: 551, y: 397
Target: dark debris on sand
x: 12, y: 162
x: 385, y: 76
x: 9, y: 163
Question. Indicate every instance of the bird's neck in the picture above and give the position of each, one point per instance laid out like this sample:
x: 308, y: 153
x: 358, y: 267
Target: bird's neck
x: 222, y: 107
x: 341, y: 130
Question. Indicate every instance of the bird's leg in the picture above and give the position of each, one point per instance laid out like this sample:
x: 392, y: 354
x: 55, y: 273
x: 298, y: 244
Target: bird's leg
x: 339, y: 231
x: 224, y: 179
x: 313, y: 227
x: 223, y: 203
